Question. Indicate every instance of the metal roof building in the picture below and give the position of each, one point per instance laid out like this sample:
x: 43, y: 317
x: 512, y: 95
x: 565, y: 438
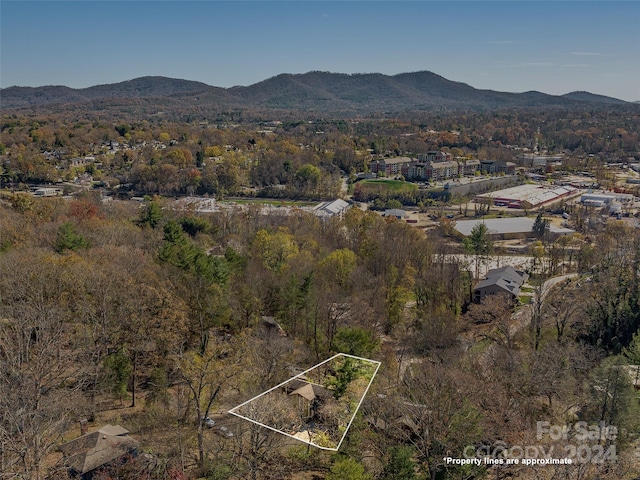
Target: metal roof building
x: 605, y: 198
x: 527, y: 196
x: 395, y: 212
x: 507, y: 228
x: 330, y: 209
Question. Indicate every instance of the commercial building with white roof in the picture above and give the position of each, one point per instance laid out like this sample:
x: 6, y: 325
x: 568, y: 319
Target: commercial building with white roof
x: 331, y: 209
x: 527, y: 196
x: 600, y: 199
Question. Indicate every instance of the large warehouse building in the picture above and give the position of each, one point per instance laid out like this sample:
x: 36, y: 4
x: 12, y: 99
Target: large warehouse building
x: 527, y: 196
x: 508, y: 228
x: 601, y: 199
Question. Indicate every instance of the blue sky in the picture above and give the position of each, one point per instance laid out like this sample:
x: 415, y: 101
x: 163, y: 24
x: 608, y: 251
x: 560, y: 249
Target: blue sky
x: 515, y: 46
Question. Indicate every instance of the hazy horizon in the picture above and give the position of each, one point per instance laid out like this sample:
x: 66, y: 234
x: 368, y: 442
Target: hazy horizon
x: 283, y: 73
x: 517, y: 46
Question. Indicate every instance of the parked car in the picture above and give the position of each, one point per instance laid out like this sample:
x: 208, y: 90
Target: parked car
x: 224, y: 432
x: 208, y: 422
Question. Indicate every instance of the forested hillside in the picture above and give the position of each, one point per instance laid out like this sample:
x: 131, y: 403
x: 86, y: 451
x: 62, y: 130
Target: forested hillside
x: 317, y: 92
x: 150, y: 317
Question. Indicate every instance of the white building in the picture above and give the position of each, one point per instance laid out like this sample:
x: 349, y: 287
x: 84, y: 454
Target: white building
x: 331, y: 209
x: 596, y: 199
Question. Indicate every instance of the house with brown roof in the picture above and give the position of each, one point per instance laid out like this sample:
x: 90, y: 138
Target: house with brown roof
x: 311, y: 399
x: 85, y: 455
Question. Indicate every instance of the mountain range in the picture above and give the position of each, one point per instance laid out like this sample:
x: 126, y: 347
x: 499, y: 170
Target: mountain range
x: 313, y: 91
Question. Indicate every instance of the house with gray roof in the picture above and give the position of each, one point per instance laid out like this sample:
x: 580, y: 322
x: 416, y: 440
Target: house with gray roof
x: 500, y: 281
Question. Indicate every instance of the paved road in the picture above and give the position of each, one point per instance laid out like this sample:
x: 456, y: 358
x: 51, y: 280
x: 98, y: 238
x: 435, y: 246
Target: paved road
x: 548, y: 285
x: 523, y: 316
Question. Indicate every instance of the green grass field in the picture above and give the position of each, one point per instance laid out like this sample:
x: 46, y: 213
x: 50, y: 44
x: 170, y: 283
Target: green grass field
x: 392, y: 186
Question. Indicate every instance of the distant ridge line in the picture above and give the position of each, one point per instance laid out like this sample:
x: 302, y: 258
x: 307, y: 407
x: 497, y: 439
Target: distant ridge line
x: 312, y: 91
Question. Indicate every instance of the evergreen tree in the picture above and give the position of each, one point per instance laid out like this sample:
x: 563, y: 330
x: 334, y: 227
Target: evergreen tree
x: 180, y: 251
x: 478, y: 244
x: 541, y: 226
x: 177, y: 249
x: 401, y: 465
x: 117, y: 373
x: 68, y: 239
x: 152, y: 215
x: 347, y: 372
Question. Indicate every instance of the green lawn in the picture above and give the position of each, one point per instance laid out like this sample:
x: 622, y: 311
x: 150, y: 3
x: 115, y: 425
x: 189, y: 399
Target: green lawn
x: 525, y: 299
x: 394, y: 186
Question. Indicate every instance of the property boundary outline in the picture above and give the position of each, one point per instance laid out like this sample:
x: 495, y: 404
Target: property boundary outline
x: 233, y: 410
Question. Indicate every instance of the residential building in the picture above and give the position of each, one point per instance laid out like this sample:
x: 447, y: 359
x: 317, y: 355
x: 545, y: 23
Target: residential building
x: 81, y: 161
x: 416, y: 171
x: 497, y: 166
x: 488, y: 166
x: 437, y: 166
x: 442, y: 170
x: 470, y: 167
x: 500, y: 281
x: 435, y: 156
x: 85, y: 455
x: 507, y: 167
x: 390, y: 166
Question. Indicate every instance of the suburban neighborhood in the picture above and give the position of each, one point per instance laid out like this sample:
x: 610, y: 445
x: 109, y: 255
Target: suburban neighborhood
x: 222, y: 257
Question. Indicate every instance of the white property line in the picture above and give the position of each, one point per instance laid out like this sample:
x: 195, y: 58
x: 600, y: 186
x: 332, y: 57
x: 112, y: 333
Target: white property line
x: 233, y: 410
